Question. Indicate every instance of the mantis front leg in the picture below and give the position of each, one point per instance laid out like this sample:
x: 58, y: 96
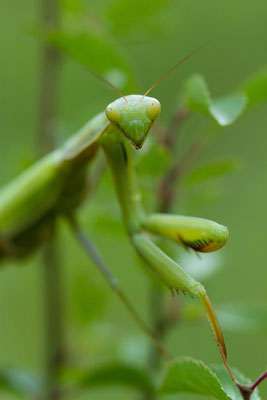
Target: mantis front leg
x: 200, y: 234
x: 176, y: 278
x: 197, y: 233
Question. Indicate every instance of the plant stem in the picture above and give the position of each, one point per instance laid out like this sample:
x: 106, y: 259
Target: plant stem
x: 53, y: 321
x: 50, y: 64
x: 259, y: 380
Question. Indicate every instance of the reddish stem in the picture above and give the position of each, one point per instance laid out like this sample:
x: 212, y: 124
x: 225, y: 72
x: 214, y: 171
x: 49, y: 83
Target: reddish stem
x: 258, y: 381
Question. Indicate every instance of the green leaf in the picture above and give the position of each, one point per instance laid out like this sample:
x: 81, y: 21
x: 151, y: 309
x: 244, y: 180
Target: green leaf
x: 228, y: 385
x: 224, y: 110
x: 96, y: 52
x: 111, y: 374
x: 86, y: 48
x: 255, y: 87
x: 213, y: 170
x: 186, y: 375
x: 243, y: 318
x: 197, y: 94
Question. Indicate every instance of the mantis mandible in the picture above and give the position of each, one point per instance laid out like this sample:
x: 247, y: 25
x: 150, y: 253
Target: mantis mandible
x: 56, y: 185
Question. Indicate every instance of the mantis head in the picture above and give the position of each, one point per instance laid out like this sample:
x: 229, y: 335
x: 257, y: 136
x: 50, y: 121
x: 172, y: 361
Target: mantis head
x: 134, y: 116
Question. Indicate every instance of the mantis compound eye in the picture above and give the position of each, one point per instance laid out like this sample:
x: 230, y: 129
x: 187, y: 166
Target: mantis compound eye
x: 113, y: 113
x: 153, y: 108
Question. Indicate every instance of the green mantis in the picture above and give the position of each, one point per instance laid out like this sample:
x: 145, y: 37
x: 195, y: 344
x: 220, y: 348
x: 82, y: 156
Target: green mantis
x: 56, y: 185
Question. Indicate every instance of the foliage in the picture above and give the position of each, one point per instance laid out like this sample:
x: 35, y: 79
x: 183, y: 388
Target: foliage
x: 223, y: 110
x: 186, y: 375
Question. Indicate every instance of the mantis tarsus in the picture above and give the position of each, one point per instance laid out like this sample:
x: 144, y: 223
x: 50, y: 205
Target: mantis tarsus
x: 56, y: 185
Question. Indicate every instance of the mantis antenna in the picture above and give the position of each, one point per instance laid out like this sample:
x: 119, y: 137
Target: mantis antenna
x: 176, y: 66
x: 107, y: 83
x: 116, y: 90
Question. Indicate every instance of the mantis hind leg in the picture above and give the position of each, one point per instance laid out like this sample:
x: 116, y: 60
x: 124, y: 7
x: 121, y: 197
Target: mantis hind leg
x: 197, y: 233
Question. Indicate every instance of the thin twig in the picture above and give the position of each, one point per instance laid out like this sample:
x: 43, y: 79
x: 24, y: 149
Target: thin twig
x: 50, y: 63
x: 53, y: 321
x: 46, y: 139
x: 95, y: 256
x: 258, y: 381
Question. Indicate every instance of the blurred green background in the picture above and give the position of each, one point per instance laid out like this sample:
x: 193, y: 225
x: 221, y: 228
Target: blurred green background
x: 96, y: 324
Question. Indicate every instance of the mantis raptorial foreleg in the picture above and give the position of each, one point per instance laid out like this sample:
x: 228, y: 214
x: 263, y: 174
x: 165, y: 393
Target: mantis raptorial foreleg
x: 200, y: 234
x: 196, y: 233
x: 176, y: 278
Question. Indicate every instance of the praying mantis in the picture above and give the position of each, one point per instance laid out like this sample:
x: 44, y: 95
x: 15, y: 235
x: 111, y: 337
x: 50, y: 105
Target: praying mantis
x: 55, y: 186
